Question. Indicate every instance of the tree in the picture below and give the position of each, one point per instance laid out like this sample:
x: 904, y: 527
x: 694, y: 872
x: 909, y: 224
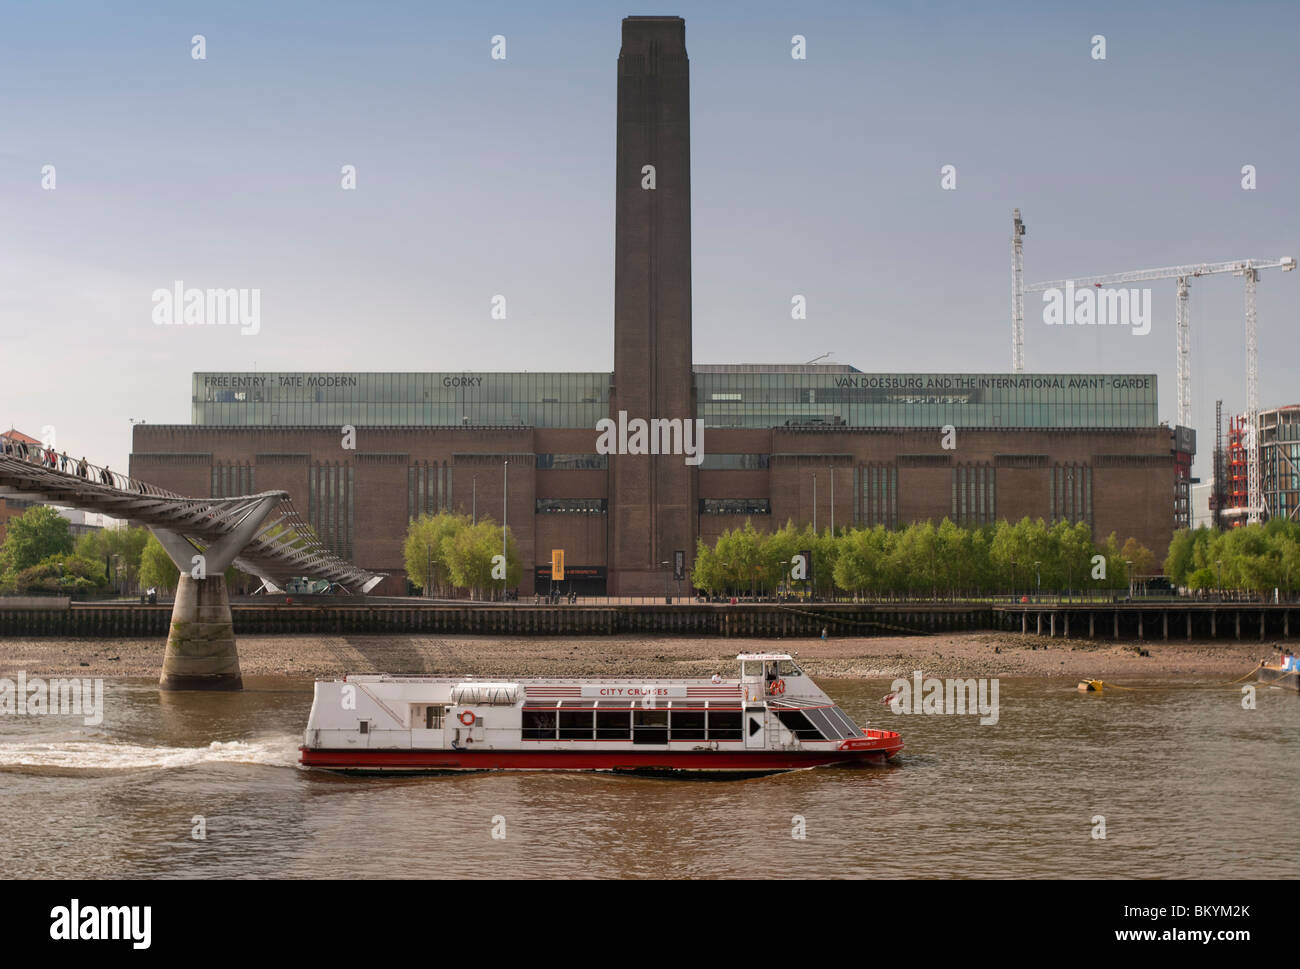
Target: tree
x: 1073, y: 545
x: 776, y: 550
x: 424, y: 552
x: 471, y: 554
x: 863, y: 562
x: 1143, y: 559
x: 707, y: 573
x: 1287, y: 542
x: 37, y: 534
x: 737, y: 551
x: 118, y: 550
x: 1026, y: 544
x: 948, y: 559
x: 1179, y: 562
x: 1116, y: 570
x: 66, y: 574
x: 952, y: 556
x: 156, y: 567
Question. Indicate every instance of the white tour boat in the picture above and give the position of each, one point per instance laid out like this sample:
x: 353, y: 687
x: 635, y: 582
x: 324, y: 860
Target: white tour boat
x: 772, y: 717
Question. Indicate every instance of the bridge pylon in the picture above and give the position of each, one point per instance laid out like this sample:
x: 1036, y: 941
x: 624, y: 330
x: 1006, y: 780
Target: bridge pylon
x: 201, y: 652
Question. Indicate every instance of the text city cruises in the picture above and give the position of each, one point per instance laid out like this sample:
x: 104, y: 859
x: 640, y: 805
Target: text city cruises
x: 772, y: 718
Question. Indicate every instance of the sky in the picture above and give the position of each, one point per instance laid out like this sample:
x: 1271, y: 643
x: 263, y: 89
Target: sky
x: 477, y: 176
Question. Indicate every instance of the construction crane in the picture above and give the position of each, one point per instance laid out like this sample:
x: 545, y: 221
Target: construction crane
x: 1017, y: 293
x: 1247, y: 268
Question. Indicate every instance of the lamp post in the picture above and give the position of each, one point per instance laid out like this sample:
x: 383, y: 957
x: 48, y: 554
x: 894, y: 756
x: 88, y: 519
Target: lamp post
x: 474, y: 500
x: 1218, y: 572
x: 505, y: 561
x: 1038, y: 570
x: 832, y: 471
x: 667, y: 598
x: 1128, y: 570
x: 814, y: 502
x: 1013, y: 578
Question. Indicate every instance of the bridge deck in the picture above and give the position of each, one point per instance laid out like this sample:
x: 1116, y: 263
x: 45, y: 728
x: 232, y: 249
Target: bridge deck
x: 284, y: 547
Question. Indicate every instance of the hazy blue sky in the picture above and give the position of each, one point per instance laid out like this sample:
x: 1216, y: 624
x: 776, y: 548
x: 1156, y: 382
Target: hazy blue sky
x: 477, y: 177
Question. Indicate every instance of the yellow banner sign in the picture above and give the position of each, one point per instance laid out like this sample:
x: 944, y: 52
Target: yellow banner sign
x: 557, y: 564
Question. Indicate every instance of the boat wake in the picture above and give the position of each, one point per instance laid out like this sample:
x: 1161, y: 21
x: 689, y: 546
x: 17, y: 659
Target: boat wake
x: 93, y: 756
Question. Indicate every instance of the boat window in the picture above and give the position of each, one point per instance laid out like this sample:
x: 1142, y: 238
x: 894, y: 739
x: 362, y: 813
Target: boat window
x: 363, y: 726
x: 845, y: 721
x: 798, y: 724
x: 724, y: 725
x: 539, y: 724
x: 832, y: 728
x: 614, y: 724
x: 687, y: 724
x: 650, y: 726
x: 434, y: 716
x: 577, y: 724
x: 788, y: 668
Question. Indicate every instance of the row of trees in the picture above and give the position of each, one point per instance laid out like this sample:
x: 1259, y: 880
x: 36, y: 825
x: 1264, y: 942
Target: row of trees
x: 922, y: 559
x: 1254, y: 558
x: 445, y: 553
x: 39, y: 555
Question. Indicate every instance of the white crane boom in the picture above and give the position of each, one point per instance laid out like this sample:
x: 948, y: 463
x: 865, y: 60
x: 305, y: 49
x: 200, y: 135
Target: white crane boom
x: 1248, y: 268
x: 1169, y: 272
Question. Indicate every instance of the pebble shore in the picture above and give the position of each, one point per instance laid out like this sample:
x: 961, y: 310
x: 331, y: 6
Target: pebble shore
x: 966, y: 654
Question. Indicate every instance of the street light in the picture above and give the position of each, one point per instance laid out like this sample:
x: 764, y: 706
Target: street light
x: 505, y: 561
x: 1128, y: 570
x: 814, y: 502
x: 1218, y: 571
x: 474, y: 501
x: 1038, y: 570
x: 1013, y: 578
x: 668, y: 599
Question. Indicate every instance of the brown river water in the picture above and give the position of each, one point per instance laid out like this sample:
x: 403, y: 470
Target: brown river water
x: 1190, y: 785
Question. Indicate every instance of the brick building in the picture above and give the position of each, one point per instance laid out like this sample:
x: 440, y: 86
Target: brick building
x: 799, y: 442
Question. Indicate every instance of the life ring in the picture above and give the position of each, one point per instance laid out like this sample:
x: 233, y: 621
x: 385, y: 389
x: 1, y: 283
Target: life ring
x: 467, y: 718
x: 776, y: 688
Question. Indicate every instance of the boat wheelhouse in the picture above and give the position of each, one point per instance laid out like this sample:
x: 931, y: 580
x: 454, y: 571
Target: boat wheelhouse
x: 771, y: 717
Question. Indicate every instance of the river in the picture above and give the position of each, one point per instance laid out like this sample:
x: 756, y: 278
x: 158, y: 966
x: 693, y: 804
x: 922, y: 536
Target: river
x: 1188, y: 782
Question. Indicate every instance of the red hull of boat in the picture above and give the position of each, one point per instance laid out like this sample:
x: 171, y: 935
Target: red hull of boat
x: 708, y: 761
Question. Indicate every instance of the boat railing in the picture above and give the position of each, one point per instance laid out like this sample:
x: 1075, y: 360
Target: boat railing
x: 538, y: 681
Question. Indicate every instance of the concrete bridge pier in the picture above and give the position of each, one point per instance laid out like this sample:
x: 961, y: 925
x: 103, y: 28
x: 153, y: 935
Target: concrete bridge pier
x: 201, y: 652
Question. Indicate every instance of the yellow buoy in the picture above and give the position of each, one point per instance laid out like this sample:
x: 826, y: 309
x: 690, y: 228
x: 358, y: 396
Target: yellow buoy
x: 1090, y: 686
